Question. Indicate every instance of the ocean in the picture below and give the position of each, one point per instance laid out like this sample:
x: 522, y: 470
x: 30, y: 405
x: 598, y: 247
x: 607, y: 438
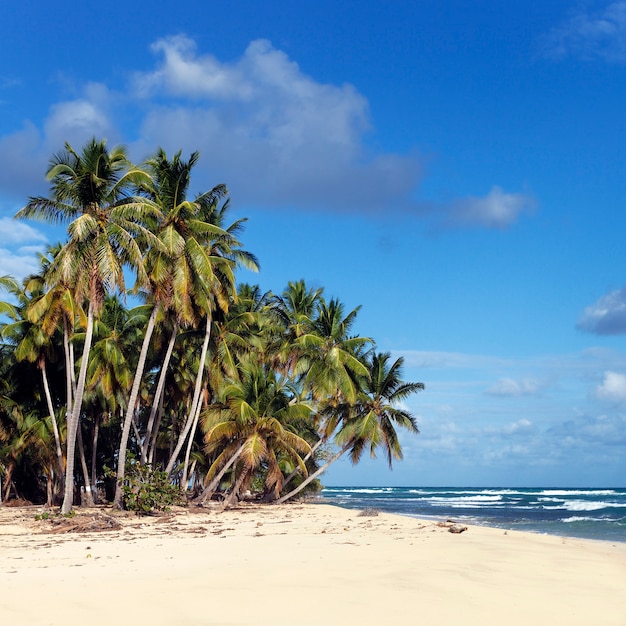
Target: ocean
x: 586, y: 513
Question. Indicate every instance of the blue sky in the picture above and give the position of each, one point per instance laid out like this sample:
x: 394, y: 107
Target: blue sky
x: 456, y: 168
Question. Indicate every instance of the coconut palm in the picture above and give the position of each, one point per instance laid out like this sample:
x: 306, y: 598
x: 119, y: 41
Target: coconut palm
x: 212, y: 253
x: 33, y: 344
x: 253, y: 425
x: 91, y: 190
x: 371, y: 421
x: 331, y: 358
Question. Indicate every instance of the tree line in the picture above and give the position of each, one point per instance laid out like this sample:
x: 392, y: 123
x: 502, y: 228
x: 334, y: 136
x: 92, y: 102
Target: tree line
x: 224, y: 389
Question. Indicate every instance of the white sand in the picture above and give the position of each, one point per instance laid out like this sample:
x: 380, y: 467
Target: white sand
x: 303, y: 564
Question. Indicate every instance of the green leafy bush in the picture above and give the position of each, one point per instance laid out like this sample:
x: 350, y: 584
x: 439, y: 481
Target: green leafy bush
x: 146, y: 490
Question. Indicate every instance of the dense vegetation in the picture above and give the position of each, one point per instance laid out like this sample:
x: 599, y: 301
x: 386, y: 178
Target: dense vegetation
x: 204, y: 385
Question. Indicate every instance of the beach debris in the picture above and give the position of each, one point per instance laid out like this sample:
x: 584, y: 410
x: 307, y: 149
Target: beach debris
x: 457, y: 529
x: 93, y: 523
x: 452, y: 527
x: 368, y: 512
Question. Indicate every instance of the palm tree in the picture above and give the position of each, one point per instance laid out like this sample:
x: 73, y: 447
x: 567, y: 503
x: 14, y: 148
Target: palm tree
x: 212, y: 253
x: 166, y: 189
x: 371, y: 421
x: 331, y: 357
x: 106, y: 234
x: 33, y: 343
x: 293, y: 313
x: 254, y: 425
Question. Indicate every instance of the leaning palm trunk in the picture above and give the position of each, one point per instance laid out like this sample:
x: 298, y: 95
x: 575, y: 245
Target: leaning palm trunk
x: 130, y: 409
x: 195, y: 402
x: 94, y: 457
x: 83, y: 463
x: 155, y: 430
x: 53, y: 419
x: 184, y: 480
x: 74, y: 417
x: 313, y: 476
x: 158, y: 394
x: 233, y: 497
x: 8, y: 479
x: 296, y: 471
x: 215, y: 483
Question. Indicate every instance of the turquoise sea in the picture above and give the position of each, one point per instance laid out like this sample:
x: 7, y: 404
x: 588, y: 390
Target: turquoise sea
x: 586, y: 513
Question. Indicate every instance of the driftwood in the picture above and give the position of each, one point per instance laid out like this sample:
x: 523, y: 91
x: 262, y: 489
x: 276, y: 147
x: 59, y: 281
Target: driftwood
x: 456, y: 528
x: 452, y: 527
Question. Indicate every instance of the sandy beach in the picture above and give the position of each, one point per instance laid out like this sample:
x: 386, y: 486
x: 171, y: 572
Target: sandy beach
x: 301, y: 564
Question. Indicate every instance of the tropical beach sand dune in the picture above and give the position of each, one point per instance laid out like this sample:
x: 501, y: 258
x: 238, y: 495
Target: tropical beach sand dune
x: 301, y: 564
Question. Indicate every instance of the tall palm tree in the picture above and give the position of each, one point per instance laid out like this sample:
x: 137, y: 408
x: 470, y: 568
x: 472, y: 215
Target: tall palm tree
x: 212, y: 253
x: 371, y: 421
x: 91, y: 190
x: 33, y: 343
x: 166, y: 188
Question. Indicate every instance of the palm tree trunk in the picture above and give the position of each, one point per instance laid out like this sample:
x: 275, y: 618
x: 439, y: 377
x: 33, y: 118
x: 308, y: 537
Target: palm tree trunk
x: 8, y: 479
x: 233, y: 496
x: 313, y: 476
x: 94, y: 456
x: 121, y: 459
x: 158, y: 394
x: 155, y: 429
x: 53, y: 419
x: 83, y: 463
x: 291, y: 476
x: 74, y: 418
x: 189, y: 446
x: 215, y: 483
x: 196, y: 399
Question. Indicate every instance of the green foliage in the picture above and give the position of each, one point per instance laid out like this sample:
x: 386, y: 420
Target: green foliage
x: 46, y: 515
x: 146, y: 490
x: 279, y: 384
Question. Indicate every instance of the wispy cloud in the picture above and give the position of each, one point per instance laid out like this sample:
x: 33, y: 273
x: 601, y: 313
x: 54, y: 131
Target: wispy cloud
x: 21, y: 243
x: 275, y: 135
x: 497, y: 209
x: 509, y: 387
x: 607, y: 316
x: 15, y: 232
x: 591, y: 35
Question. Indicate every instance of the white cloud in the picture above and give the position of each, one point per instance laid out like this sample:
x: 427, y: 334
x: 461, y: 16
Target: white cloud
x: 25, y: 153
x: 22, y: 243
x: 607, y: 316
x: 16, y: 232
x: 497, y: 209
x: 427, y: 359
x: 520, y: 427
x: 599, y: 35
x: 277, y: 137
x: 22, y: 163
x: 18, y: 264
x: 75, y: 122
x: 612, y: 388
x: 516, y: 388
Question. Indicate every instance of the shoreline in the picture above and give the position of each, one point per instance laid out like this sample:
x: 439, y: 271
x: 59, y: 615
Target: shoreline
x: 265, y: 564
x: 481, y: 524
x: 584, y: 513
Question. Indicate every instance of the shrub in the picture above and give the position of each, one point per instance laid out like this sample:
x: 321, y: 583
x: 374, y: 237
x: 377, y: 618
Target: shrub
x: 146, y: 490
